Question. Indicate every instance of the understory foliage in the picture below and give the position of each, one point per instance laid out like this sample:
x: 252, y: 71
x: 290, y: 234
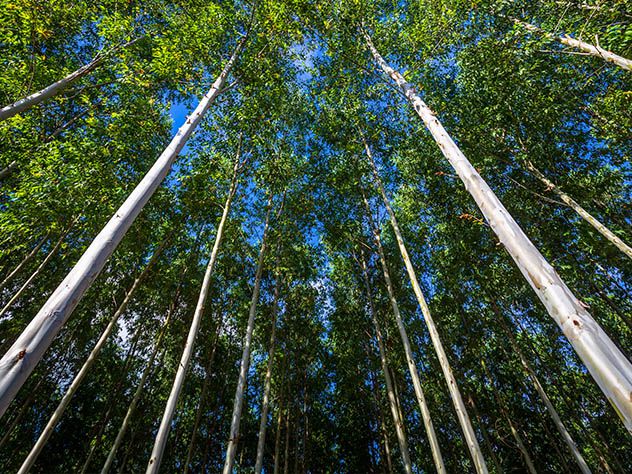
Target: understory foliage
x: 301, y: 101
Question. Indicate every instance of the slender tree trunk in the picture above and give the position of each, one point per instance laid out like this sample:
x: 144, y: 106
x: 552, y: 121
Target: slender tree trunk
x: 24, y: 261
x: 38, y: 270
x: 28, y: 349
x: 385, y: 448
x: 57, y: 87
x: 268, y: 377
x: 570, y: 202
x: 455, y: 394
x: 568, y: 440
x: 74, y: 386
x: 23, y: 409
x: 95, y: 440
x: 591, y: 50
x: 397, y: 419
x: 499, y: 402
x: 286, y: 457
x: 607, y: 364
x: 4, y: 172
x: 139, y: 390
x: 245, y: 358
x: 410, y: 361
x: 277, y: 441
x: 495, y: 461
x: 203, y: 394
x: 163, y: 431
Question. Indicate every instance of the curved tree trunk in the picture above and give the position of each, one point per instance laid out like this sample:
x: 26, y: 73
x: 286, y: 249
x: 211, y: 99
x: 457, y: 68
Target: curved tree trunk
x: 397, y: 418
x: 268, y: 377
x: 24, y: 261
x: 455, y: 393
x: 591, y: 50
x: 245, y: 358
x: 163, y: 431
x: 28, y: 349
x: 410, y: 360
x: 74, y: 386
x: 583, y: 213
x: 607, y: 364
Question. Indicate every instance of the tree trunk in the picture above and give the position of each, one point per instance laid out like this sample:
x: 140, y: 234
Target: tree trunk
x: 591, y: 50
x: 20, y: 360
x: 24, y: 261
x: 455, y: 394
x: 163, y: 431
x: 198, y: 414
x: 397, y: 419
x: 74, y: 386
x: 570, y: 443
x: 277, y: 438
x: 57, y: 87
x: 607, y: 364
x: 4, y: 172
x: 245, y: 358
x: 268, y: 377
x: 410, y: 361
x: 520, y: 443
x: 570, y: 202
x: 139, y: 391
x: 286, y: 457
x: 39, y: 269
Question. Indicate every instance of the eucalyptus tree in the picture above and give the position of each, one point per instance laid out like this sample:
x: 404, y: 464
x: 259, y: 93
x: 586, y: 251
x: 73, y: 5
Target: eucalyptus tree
x: 28, y: 349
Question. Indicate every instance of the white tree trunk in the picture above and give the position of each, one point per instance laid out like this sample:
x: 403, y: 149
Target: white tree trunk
x: 160, y: 441
x: 137, y: 394
x: 607, y: 364
x: 410, y: 360
x: 583, y: 46
x: 392, y: 401
x: 28, y: 349
x: 245, y: 357
x: 583, y: 213
x: 455, y: 393
x: 568, y: 440
x: 74, y: 386
x: 268, y: 379
x: 57, y: 87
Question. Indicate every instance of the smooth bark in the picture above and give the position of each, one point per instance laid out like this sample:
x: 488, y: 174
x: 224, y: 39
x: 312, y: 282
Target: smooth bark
x: 76, y: 383
x: 245, y: 358
x: 392, y: 402
x: 55, y: 88
x: 590, y: 49
x: 265, y: 403
x: 139, y: 391
x: 153, y: 465
x: 455, y: 393
x: 607, y: 364
x: 202, y: 399
x: 28, y: 349
x: 410, y: 360
x: 583, y: 213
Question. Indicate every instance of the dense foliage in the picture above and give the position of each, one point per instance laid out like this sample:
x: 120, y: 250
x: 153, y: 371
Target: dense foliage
x: 540, y: 120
